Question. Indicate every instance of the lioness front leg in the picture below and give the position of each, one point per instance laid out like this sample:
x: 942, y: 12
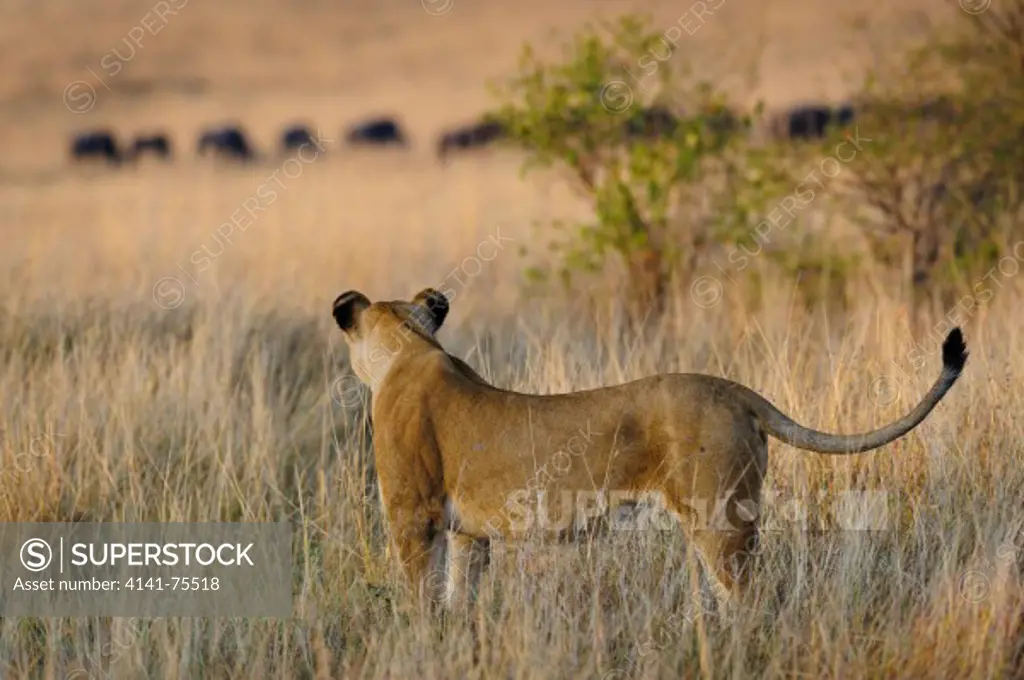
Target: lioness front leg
x: 469, y: 557
x: 422, y: 545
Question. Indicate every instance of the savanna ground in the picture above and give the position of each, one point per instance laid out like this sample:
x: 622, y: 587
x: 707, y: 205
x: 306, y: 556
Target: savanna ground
x: 177, y: 377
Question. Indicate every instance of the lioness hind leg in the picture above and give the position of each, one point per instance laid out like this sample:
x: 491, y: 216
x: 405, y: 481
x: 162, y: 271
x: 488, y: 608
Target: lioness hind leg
x: 725, y: 550
x: 729, y: 556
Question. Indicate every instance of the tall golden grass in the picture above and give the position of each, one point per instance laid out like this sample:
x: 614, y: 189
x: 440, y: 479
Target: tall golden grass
x: 236, y: 405
x: 143, y: 389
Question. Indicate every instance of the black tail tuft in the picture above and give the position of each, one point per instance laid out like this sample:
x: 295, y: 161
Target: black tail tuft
x: 954, y: 351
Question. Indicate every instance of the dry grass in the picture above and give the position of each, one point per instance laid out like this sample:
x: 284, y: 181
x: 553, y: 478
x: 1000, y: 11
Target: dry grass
x: 222, y: 408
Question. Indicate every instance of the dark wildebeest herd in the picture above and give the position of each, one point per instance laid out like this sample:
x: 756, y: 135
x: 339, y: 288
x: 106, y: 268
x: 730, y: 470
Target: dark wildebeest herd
x: 231, y: 141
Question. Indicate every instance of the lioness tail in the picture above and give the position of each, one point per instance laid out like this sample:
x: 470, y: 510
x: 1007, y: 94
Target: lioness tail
x: 782, y: 427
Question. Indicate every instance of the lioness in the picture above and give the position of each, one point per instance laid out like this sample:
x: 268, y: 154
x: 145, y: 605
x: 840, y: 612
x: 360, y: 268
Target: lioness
x: 450, y: 448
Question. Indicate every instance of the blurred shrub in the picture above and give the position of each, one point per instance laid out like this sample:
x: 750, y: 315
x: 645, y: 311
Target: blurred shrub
x: 942, y: 183
x: 937, y: 190
x: 773, y: 214
x: 629, y: 148
x: 674, y: 181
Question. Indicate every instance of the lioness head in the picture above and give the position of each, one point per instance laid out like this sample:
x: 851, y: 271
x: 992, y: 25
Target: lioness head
x: 378, y: 332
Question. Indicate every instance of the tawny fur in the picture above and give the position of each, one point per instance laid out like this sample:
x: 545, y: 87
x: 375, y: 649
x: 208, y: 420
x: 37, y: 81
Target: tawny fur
x: 453, y: 451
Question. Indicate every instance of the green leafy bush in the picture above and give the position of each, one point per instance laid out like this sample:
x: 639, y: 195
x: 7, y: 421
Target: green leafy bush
x: 634, y: 152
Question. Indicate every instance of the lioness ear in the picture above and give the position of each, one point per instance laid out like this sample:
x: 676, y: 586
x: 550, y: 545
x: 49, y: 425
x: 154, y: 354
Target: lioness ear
x: 435, y: 303
x: 347, y: 308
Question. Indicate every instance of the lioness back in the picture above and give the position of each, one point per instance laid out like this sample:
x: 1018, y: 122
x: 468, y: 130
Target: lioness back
x: 628, y: 437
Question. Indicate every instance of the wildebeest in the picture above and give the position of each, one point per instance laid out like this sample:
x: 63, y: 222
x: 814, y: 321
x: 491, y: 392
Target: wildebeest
x: 473, y: 136
x: 158, y: 144
x: 844, y: 115
x: 229, y: 141
x: 296, y: 137
x: 96, y: 144
x: 382, y: 131
x: 651, y: 122
x: 810, y: 121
